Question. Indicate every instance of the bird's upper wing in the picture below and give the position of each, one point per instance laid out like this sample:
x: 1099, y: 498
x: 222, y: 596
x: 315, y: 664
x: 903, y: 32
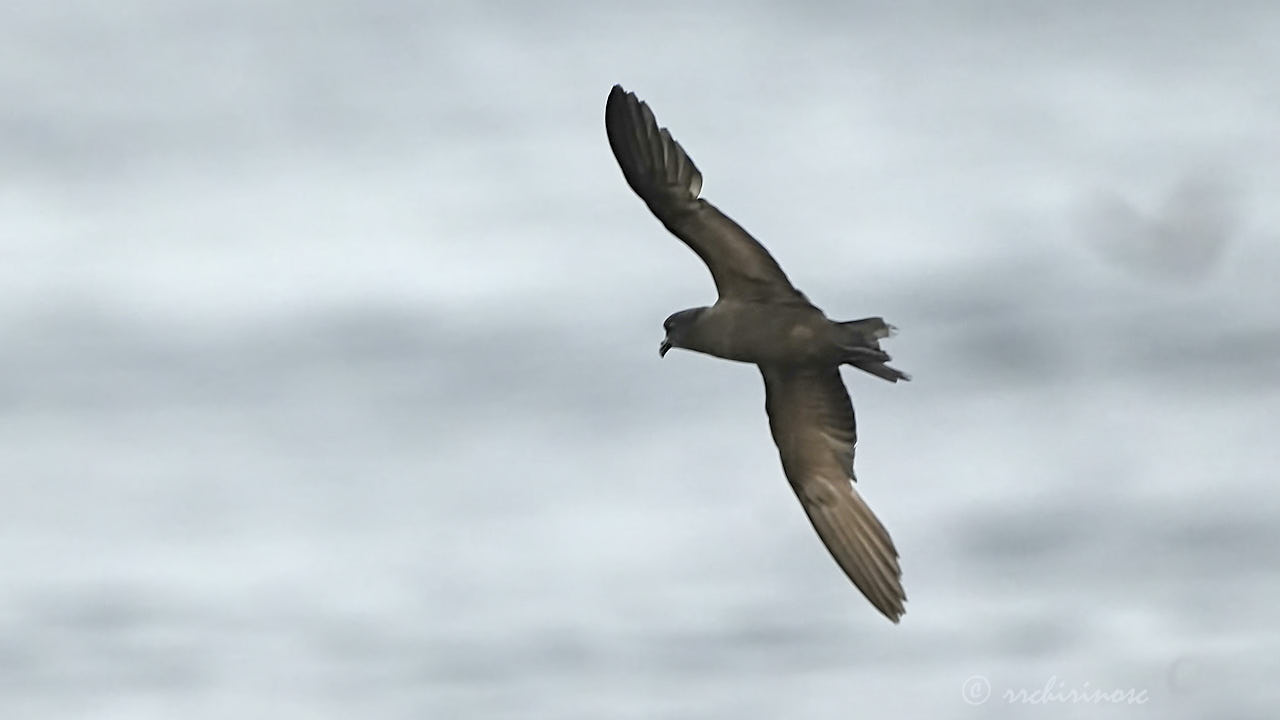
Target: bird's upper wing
x: 664, y: 176
x: 813, y: 425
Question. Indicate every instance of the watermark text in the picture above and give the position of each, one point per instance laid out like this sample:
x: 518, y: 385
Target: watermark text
x: 977, y: 690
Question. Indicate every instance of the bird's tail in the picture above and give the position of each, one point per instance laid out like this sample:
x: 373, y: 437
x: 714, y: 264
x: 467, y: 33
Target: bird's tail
x: 860, y: 342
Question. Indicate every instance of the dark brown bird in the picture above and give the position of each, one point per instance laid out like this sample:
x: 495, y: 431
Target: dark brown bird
x: 761, y: 318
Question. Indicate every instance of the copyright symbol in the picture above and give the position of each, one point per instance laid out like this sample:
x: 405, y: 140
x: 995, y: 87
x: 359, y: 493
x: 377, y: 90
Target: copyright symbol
x: 976, y: 690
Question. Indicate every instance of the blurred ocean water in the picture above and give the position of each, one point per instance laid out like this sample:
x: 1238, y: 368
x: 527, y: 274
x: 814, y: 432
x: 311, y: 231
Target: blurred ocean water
x: 328, y: 381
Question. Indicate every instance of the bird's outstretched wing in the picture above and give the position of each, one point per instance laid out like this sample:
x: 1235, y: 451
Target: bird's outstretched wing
x: 664, y: 176
x: 813, y: 426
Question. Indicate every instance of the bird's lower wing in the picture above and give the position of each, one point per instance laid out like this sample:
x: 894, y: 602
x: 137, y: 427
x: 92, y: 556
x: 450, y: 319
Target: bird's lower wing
x: 812, y: 422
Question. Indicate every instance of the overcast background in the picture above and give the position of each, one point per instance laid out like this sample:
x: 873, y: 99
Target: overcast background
x: 329, y: 384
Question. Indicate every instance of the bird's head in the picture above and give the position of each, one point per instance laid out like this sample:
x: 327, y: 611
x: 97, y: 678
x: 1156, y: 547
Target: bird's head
x: 678, y: 327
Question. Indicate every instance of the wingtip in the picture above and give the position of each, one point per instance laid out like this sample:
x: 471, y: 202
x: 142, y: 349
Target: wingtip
x: 620, y: 94
x: 891, y: 606
x: 896, y: 612
x: 616, y: 101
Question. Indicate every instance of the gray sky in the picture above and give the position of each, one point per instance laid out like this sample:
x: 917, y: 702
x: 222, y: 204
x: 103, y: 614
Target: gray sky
x: 330, y: 329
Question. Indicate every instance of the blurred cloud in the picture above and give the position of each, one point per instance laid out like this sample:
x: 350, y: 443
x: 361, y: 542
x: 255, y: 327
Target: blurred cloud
x: 1181, y: 236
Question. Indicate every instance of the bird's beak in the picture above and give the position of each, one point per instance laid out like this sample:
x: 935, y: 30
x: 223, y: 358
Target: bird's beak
x: 664, y: 347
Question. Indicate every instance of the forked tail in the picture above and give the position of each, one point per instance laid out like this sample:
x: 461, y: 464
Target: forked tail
x: 860, y: 341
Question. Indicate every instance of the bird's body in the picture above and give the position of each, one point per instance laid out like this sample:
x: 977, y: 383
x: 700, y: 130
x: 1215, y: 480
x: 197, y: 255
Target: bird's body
x: 789, y: 332
x: 761, y: 318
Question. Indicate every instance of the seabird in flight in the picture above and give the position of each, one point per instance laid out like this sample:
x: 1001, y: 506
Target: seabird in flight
x: 760, y: 318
